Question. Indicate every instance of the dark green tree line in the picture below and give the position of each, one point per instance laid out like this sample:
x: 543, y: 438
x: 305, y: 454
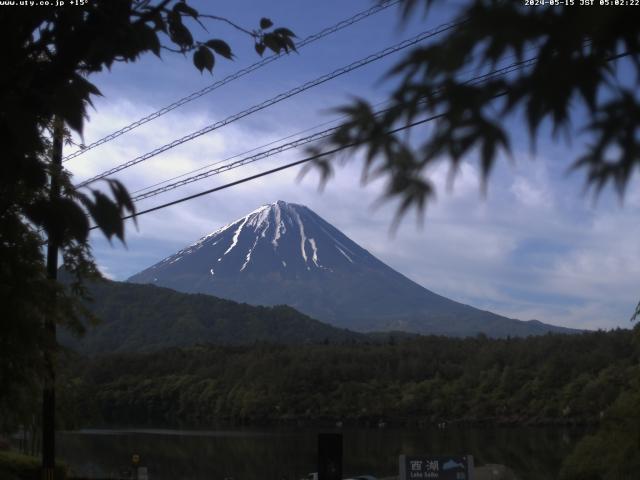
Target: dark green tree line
x: 546, y: 379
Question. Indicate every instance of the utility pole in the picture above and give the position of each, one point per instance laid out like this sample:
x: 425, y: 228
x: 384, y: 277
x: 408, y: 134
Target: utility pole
x: 49, y: 391
x: 329, y: 456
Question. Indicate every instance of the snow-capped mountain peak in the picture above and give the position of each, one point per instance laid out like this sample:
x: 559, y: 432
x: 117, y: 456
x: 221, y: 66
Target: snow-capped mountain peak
x: 283, y: 253
x: 278, y: 237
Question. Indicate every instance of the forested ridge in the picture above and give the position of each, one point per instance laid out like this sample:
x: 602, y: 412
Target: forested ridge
x: 145, y: 317
x: 545, y: 379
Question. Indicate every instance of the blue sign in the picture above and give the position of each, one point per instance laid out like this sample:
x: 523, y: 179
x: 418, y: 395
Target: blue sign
x: 440, y: 467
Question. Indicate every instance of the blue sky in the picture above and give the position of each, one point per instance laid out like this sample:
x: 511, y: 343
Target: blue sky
x: 534, y: 247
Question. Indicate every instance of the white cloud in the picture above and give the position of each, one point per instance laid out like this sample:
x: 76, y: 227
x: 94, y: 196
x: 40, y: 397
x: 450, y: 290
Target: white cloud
x: 606, y: 262
x: 532, y: 249
x: 531, y: 185
x: 529, y: 194
x: 106, y: 272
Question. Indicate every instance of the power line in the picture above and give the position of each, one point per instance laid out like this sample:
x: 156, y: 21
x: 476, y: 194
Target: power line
x: 234, y: 76
x: 297, y: 143
x: 272, y: 171
x: 218, y: 162
x: 482, y: 77
x: 278, y: 98
x: 230, y: 166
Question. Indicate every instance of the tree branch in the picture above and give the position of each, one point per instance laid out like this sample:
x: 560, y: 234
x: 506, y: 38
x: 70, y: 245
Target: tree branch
x: 229, y: 22
x: 175, y: 50
x: 145, y: 17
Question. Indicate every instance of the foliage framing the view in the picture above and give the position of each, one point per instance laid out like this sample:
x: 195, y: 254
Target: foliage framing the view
x: 48, y: 55
x: 583, y: 79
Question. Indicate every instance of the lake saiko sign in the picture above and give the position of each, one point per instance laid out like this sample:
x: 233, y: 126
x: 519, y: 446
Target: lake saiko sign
x: 425, y: 467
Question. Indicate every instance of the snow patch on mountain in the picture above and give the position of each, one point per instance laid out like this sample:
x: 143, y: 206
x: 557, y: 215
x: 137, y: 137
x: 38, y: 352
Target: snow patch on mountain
x: 280, y: 229
x: 312, y: 242
x: 248, y: 257
x: 303, y: 238
x: 344, y: 253
x: 236, y: 235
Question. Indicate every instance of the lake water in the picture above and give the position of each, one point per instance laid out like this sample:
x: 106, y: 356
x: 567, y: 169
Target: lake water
x: 533, y: 453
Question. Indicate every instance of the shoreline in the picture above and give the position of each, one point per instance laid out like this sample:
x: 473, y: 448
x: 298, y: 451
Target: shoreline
x: 388, y: 424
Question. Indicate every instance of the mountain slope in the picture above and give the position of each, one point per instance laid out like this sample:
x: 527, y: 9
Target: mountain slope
x: 286, y: 254
x: 146, y: 317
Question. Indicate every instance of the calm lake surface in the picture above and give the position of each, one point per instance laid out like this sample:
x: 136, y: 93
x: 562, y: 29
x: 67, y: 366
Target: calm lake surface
x: 533, y: 453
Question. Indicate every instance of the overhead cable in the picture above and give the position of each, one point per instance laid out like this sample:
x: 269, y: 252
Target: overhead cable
x: 234, y: 76
x: 271, y: 171
x: 298, y: 142
x: 238, y: 163
x: 499, y: 72
x: 237, y: 155
x: 272, y: 101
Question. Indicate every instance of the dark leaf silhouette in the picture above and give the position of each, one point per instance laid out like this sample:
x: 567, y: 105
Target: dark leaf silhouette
x: 182, y: 7
x: 220, y: 47
x: 566, y: 61
x: 265, y: 23
x: 203, y: 58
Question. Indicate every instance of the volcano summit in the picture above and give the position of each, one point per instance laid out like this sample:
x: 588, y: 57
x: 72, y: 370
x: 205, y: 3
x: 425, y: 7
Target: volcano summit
x: 284, y: 253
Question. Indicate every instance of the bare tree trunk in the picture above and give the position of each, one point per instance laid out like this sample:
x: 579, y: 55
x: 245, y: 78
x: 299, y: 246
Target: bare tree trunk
x: 49, y: 392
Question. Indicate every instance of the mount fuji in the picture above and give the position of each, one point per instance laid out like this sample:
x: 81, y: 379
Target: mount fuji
x: 284, y: 253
